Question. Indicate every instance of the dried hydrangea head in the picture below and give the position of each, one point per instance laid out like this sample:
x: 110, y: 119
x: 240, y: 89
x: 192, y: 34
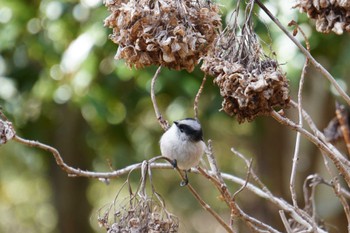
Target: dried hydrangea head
x: 174, y: 34
x: 330, y: 15
x: 140, y: 215
x: 250, y: 83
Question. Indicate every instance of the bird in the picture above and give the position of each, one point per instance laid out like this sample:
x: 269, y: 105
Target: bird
x: 183, y: 144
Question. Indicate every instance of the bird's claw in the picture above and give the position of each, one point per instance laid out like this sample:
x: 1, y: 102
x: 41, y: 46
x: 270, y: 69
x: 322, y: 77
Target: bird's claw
x: 184, y: 182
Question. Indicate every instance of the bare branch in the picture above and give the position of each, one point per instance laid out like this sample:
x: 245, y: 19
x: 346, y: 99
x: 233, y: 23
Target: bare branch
x: 300, y: 122
x: 209, y: 209
x: 285, y: 221
x: 212, y: 162
x: 339, y: 165
x: 322, y: 137
x: 196, y: 100
x: 246, y: 180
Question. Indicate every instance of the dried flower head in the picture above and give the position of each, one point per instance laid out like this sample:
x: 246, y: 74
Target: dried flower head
x: 330, y: 15
x: 175, y: 34
x: 140, y: 215
x: 251, y: 83
x: 138, y: 212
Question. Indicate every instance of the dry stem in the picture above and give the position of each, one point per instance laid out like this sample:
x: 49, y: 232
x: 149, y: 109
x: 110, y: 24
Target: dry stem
x: 163, y: 123
x: 297, y: 140
x: 196, y: 100
x: 339, y: 165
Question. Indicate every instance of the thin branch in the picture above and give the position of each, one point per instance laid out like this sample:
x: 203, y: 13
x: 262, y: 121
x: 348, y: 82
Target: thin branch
x: 124, y: 171
x: 279, y: 202
x: 196, y: 100
x: 317, y: 65
x: 209, y: 209
x: 322, y: 137
x: 74, y: 172
x: 339, y: 165
x: 285, y: 221
x: 300, y: 116
x: 246, y: 180
x: 236, y: 211
x: 298, y: 211
x: 212, y: 162
x: 163, y: 123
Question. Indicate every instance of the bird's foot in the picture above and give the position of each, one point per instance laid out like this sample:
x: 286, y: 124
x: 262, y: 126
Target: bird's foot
x: 185, y: 180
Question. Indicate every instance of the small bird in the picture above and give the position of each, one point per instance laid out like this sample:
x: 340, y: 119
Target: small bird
x: 183, y: 144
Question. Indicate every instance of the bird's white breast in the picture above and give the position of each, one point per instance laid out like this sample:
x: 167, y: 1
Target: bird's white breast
x: 187, y: 153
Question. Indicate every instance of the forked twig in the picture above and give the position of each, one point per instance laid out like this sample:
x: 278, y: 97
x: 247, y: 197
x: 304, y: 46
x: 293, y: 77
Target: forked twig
x: 285, y: 221
x: 163, y: 123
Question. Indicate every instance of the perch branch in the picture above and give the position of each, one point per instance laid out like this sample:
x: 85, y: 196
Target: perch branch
x: 76, y: 172
x: 124, y: 171
x: 317, y: 65
x: 105, y: 176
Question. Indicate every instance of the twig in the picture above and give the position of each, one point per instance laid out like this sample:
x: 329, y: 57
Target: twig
x: 163, y: 123
x: 322, y: 137
x: 254, y: 176
x: 209, y: 209
x: 246, y: 180
x: 196, y: 100
x: 339, y: 165
x: 300, y: 122
x: 212, y: 162
x: 236, y: 212
x: 279, y: 202
x: 285, y: 221
x: 309, y: 196
x: 317, y: 65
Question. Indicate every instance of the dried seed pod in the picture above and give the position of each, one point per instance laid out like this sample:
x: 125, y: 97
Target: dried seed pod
x: 175, y: 34
x: 330, y: 15
x: 251, y: 83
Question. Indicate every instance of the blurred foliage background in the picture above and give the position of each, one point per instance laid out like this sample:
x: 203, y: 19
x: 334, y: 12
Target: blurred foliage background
x: 59, y: 84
